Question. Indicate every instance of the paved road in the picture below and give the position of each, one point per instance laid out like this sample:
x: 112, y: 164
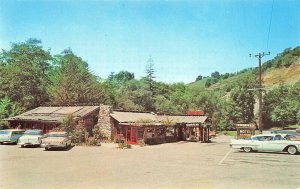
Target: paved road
x: 176, y: 165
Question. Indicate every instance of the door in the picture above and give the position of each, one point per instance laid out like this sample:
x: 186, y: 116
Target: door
x: 276, y: 144
x: 132, y: 135
x: 16, y: 135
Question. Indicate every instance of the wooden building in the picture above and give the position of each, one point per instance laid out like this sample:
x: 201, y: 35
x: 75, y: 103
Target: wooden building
x: 150, y: 128
x: 132, y: 127
x: 47, y: 118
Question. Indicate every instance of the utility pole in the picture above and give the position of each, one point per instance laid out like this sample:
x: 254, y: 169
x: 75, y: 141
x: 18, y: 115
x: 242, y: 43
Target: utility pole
x: 260, y: 88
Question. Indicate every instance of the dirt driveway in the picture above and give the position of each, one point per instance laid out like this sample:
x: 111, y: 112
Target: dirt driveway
x: 175, y: 165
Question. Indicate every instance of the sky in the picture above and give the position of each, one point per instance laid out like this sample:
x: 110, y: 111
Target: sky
x: 184, y: 38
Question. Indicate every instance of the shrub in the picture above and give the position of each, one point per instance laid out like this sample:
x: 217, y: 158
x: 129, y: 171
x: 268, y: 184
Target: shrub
x: 124, y: 145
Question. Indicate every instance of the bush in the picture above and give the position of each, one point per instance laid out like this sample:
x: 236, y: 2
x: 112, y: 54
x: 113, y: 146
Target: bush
x: 78, y: 135
x: 92, y: 141
x: 124, y: 145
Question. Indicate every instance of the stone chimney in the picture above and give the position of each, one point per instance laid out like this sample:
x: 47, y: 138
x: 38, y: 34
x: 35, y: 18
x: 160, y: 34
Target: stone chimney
x: 105, y: 123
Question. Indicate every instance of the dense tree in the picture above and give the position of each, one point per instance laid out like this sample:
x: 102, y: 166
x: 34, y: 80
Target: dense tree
x: 134, y: 95
x: 122, y: 76
x: 149, y: 79
x: 243, y: 100
x: 210, y: 81
x: 288, y: 57
x: 23, y: 73
x: 31, y: 76
x: 282, y: 105
x: 71, y: 81
x: 215, y: 74
x: 200, y: 77
x: 8, y: 108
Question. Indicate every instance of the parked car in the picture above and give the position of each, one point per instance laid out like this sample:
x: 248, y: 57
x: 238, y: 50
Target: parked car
x: 298, y: 130
x: 10, y: 135
x: 267, y: 142
x: 285, y: 132
x: 292, y: 137
x: 57, y: 140
x: 31, y: 138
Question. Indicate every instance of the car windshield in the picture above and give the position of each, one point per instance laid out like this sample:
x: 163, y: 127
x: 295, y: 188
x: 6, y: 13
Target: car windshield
x: 4, y: 132
x: 56, y: 135
x: 32, y: 132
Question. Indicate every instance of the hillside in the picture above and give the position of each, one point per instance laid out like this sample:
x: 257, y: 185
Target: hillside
x: 288, y: 75
x: 200, y: 83
x: 284, y: 68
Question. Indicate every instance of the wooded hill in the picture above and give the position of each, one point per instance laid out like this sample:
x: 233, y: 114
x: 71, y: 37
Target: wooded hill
x: 284, y: 68
x: 31, y: 76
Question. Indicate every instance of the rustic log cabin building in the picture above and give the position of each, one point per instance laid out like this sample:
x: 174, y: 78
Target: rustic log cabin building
x: 47, y: 118
x: 119, y: 126
x: 150, y: 128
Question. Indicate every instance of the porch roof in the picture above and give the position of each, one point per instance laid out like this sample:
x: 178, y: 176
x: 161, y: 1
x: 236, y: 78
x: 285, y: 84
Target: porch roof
x: 184, y: 119
x: 134, y: 117
x: 139, y: 118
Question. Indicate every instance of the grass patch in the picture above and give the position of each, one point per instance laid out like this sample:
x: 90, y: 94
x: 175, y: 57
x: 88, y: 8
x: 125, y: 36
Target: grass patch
x: 288, y: 127
x: 233, y: 133
x: 228, y: 133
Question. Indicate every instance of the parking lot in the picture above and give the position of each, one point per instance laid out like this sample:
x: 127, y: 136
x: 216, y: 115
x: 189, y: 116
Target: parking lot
x: 172, y: 165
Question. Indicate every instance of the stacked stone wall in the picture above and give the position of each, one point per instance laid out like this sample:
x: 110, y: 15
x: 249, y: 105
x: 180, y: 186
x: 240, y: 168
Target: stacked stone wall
x: 105, y: 123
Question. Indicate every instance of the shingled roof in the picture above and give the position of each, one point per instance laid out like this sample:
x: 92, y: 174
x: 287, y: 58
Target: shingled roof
x: 54, y: 114
x: 140, y: 118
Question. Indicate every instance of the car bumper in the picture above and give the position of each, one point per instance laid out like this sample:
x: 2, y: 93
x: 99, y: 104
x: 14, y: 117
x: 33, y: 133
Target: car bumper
x: 54, y: 145
x: 29, y: 143
x: 7, y: 141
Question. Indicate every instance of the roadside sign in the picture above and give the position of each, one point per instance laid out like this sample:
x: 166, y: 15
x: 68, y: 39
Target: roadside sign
x: 245, y: 130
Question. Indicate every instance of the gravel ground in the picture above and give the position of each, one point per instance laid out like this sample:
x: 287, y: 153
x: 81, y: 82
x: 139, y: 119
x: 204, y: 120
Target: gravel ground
x: 172, y: 165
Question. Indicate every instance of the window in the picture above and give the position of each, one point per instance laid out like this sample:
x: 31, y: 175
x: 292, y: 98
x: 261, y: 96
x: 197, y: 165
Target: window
x: 278, y: 137
x: 259, y: 138
x: 268, y: 138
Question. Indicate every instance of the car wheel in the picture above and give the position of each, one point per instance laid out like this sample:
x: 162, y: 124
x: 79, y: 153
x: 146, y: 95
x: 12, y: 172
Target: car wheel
x: 292, y: 150
x: 22, y: 146
x: 247, y: 149
x: 46, y: 148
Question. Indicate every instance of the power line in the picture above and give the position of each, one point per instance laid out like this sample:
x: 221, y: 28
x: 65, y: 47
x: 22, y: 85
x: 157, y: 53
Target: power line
x: 270, y: 25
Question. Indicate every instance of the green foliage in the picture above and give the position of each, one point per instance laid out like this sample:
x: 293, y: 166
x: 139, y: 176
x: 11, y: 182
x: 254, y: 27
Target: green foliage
x: 121, y: 77
x: 215, y: 74
x: 124, y: 145
x: 31, y: 76
x: 134, y: 95
x: 243, y: 100
x: 200, y: 77
x: 77, y: 133
x: 210, y: 81
x: 282, y: 105
x: 72, y: 83
x: 23, y: 73
x: 286, y: 59
x: 149, y: 79
x: 8, y: 108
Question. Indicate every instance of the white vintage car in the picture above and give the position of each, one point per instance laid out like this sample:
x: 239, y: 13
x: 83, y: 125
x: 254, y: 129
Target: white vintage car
x: 267, y: 142
x: 32, y: 137
x: 57, y: 140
